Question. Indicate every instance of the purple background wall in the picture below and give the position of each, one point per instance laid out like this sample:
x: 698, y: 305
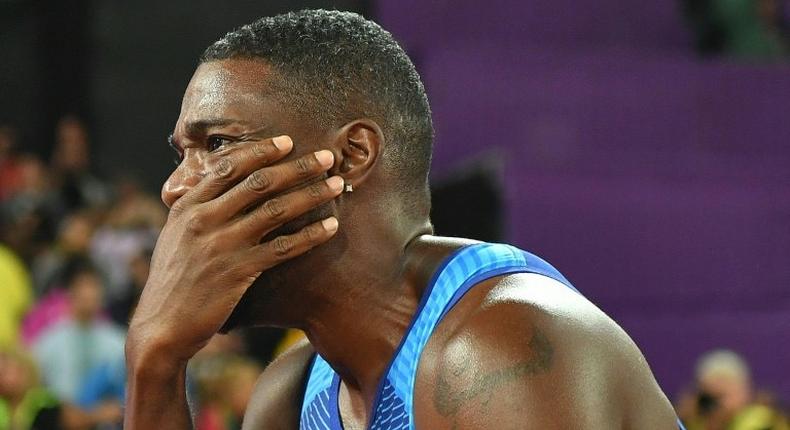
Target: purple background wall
x: 658, y: 183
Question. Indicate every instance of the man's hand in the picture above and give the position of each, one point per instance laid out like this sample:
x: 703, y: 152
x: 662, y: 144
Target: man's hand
x: 210, y: 252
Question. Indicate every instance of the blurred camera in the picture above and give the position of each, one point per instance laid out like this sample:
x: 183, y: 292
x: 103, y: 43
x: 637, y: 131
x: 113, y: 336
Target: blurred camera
x: 707, y: 403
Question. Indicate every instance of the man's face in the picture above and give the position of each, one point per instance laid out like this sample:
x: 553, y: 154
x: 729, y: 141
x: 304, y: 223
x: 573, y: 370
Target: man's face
x: 15, y: 379
x: 72, y: 145
x: 226, y: 103
x: 86, y: 297
x: 731, y: 392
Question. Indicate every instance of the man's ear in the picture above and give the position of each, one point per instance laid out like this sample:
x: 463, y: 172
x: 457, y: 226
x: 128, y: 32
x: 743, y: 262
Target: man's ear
x: 357, y: 147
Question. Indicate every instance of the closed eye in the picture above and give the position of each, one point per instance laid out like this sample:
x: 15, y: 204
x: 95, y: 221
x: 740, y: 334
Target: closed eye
x: 215, y: 142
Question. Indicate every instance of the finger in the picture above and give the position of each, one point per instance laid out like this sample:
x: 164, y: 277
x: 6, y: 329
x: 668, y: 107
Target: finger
x: 268, y: 254
x: 281, y: 209
x: 271, y: 180
x: 230, y: 165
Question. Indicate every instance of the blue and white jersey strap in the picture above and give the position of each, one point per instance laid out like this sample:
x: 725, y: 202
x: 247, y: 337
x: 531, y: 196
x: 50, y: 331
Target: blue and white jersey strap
x: 393, y: 409
x: 394, y: 406
x: 320, y: 399
x: 464, y: 269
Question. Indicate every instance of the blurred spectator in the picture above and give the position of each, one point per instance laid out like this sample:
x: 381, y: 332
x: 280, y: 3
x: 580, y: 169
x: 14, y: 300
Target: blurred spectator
x: 130, y: 227
x: 749, y: 29
x: 106, y: 384
x: 26, y: 405
x: 204, y: 373
x: 69, y: 351
x: 61, y: 235
x: 122, y: 308
x: 78, y: 186
x: 73, y: 241
x: 16, y: 294
x: 724, y: 398
x: 23, y: 403
x: 10, y: 173
x: 29, y: 210
x: 225, y: 386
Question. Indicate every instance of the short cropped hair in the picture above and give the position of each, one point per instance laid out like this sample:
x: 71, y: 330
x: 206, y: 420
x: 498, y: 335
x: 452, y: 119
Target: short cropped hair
x: 77, y: 267
x: 337, y: 66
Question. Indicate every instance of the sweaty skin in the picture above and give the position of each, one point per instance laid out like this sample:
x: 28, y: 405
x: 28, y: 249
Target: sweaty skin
x: 517, y: 352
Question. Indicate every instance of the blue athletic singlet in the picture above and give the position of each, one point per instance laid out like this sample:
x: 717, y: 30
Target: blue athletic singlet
x: 465, y: 268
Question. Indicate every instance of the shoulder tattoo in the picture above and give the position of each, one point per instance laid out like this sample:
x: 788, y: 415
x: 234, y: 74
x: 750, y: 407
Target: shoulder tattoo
x: 453, y: 390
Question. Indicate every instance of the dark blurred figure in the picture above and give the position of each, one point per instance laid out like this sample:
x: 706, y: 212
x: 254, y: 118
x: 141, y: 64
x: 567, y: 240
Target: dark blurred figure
x: 469, y: 203
x: 77, y: 184
x: 69, y: 351
x: 73, y: 242
x: 724, y: 398
x: 746, y: 29
x: 10, y: 175
x: 29, y: 210
x: 121, y: 309
x: 26, y: 405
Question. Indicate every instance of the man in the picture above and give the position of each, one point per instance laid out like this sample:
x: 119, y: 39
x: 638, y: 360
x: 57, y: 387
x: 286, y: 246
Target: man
x: 69, y: 350
x: 725, y: 398
x: 405, y: 329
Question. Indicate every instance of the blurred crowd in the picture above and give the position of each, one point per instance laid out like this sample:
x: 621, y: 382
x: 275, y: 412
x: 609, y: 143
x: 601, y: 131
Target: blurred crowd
x: 75, y: 250
x: 744, y: 29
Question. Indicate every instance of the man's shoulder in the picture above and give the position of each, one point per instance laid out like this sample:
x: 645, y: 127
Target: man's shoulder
x: 525, y: 345
x: 277, y: 400
x: 508, y: 309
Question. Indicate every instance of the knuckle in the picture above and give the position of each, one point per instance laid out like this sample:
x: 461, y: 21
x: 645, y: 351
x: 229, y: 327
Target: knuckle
x: 224, y: 168
x: 176, y: 209
x: 258, y: 181
x: 315, y: 190
x: 261, y: 151
x: 282, y: 246
x: 196, y: 222
x: 312, y: 234
x: 273, y: 208
x: 303, y: 166
x: 214, y: 247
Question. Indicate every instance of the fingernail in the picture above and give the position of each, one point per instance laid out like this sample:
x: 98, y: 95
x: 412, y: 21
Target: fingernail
x: 283, y: 142
x: 330, y: 224
x: 335, y: 183
x: 325, y: 158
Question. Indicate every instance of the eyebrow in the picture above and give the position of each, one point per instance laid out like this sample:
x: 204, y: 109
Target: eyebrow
x: 199, y: 127
x: 196, y: 128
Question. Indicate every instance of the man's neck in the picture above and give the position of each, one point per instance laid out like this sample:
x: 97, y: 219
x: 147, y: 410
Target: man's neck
x: 356, y: 321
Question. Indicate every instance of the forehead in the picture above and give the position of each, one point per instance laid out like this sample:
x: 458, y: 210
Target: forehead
x: 228, y: 88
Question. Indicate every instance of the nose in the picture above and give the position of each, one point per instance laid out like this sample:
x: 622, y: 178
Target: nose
x: 186, y: 176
